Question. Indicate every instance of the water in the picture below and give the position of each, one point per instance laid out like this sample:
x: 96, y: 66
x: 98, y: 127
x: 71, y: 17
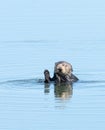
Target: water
x: 33, y: 36
x: 27, y: 103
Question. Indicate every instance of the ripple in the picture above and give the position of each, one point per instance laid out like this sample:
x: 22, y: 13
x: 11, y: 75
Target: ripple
x: 91, y: 81
x: 22, y: 83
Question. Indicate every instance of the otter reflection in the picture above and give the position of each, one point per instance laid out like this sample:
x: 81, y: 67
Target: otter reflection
x: 61, y: 90
x: 46, y: 88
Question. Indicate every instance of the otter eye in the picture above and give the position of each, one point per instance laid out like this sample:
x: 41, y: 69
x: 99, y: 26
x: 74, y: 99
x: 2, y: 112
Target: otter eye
x: 62, y: 64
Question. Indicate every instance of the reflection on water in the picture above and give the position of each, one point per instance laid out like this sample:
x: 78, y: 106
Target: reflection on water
x: 34, y: 102
x: 61, y: 90
x: 46, y: 88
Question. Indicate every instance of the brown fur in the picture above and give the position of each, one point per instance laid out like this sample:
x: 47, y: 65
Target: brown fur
x: 62, y: 73
x: 63, y: 68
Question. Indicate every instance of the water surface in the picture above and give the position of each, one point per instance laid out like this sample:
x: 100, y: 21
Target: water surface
x: 26, y: 103
x: 34, y: 34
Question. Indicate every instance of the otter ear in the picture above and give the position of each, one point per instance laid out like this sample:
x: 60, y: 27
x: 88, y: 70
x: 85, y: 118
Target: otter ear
x: 59, y: 62
x: 56, y: 63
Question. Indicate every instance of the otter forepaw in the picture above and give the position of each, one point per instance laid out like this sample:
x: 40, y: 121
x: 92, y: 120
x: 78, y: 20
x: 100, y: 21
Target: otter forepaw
x: 46, y: 76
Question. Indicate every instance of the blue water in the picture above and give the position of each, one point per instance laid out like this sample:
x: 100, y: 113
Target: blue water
x: 33, y: 36
x: 27, y: 103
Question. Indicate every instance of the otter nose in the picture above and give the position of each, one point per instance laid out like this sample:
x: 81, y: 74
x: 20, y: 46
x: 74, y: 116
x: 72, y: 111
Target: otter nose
x: 59, y: 69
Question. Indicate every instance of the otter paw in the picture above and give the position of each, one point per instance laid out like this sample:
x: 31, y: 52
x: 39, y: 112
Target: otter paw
x: 46, y: 76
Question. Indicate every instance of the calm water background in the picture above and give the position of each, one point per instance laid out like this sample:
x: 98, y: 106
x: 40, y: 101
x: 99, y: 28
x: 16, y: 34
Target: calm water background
x: 33, y: 36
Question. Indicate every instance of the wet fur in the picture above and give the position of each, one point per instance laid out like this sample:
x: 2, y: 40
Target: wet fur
x: 62, y: 73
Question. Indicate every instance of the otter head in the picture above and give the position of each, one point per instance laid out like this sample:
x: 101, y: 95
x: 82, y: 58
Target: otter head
x: 63, y: 68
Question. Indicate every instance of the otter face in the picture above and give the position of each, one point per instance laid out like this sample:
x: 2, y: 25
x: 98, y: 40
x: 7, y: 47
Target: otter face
x: 63, y: 68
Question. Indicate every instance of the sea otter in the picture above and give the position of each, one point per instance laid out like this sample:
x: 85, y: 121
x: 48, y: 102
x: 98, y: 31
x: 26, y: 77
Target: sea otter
x: 62, y: 73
